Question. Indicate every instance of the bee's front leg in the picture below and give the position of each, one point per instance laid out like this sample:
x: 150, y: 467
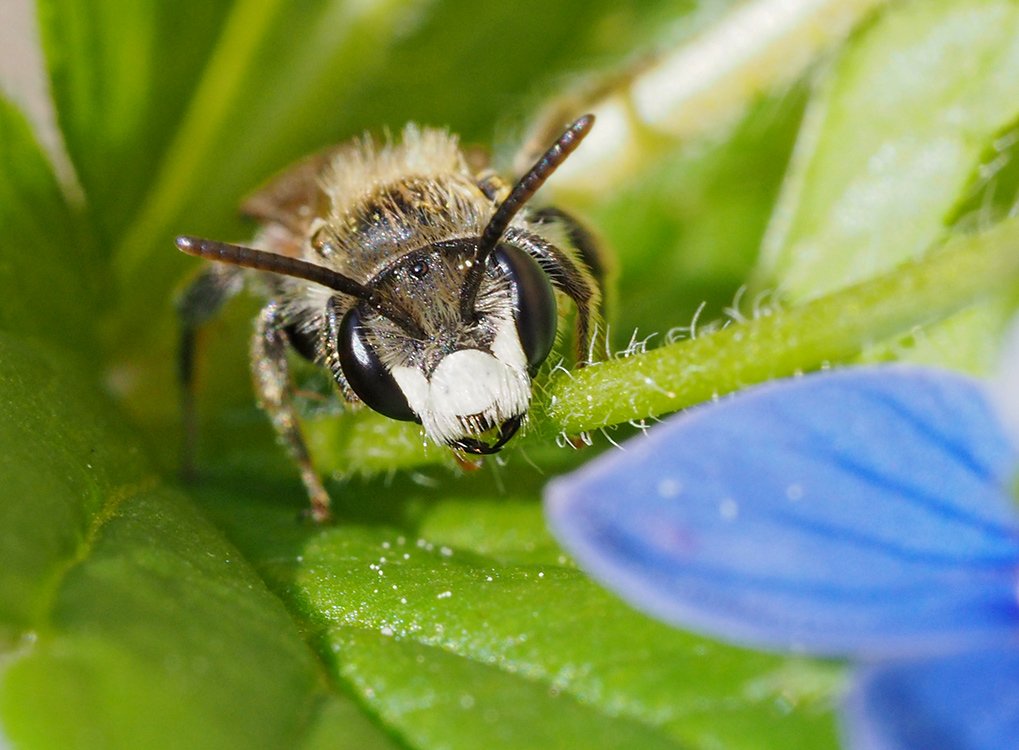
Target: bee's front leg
x: 271, y: 375
x: 199, y: 303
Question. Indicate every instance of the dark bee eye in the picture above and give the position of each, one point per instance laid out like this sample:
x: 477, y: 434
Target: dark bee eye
x: 365, y: 373
x: 535, y: 312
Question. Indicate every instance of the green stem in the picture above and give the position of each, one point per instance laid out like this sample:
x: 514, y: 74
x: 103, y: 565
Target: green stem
x: 835, y: 327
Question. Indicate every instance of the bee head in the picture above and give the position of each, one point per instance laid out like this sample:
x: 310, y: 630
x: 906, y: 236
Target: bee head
x: 466, y: 380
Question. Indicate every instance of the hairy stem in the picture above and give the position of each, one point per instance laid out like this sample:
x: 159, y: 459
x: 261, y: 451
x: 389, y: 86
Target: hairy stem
x: 828, y: 329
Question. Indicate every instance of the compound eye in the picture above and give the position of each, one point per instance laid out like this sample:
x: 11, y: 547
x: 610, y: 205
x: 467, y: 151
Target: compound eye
x: 365, y: 373
x: 535, y: 309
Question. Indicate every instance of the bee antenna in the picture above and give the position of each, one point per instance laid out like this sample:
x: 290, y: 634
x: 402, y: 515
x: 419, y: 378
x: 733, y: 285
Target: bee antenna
x: 522, y: 192
x: 248, y: 257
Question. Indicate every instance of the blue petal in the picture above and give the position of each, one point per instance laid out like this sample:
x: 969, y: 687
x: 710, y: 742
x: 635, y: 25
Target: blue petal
x: 852, y: 512
x: 966, y: 701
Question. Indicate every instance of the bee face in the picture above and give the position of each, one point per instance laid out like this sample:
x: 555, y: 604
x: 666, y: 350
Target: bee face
x: 460, y: 376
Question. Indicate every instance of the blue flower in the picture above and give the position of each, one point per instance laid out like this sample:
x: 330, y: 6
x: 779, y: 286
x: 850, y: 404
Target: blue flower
x: 862, y: 513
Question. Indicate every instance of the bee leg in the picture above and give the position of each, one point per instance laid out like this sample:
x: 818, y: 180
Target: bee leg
x: 199, y: 303
x: 572, y: 277
x: 331, y: 333
x: 581, y: 238
x: 271, y: 376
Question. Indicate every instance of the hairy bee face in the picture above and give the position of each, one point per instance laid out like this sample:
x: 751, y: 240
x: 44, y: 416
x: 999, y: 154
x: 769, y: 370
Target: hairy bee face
x: 466, y: 379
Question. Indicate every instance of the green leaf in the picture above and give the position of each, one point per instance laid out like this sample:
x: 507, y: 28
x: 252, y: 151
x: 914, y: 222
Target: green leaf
x: 688, y: 229
x: 121, y: 73
x: 46, y: 251
x: 890, y: 157
x: 58, y: 465
x: 892, y: 140
x: 134, y: 613
x: 456, y: 638
x: 133, y: 623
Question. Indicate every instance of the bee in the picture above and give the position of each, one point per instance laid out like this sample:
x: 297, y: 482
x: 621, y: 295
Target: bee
x: 424, y: 286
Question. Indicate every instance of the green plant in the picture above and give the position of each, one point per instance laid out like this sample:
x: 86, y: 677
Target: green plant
x: 438, y: 612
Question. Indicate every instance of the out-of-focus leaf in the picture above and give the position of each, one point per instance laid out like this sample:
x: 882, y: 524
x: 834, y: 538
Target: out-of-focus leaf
x: 122, y: 73
x: 59, y: 468
x: 688, y: 231
x: 890, y: 151
x: 133, y: 623
x: 277, y: 72
x: 892, y: 140
x: 49, y: 269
